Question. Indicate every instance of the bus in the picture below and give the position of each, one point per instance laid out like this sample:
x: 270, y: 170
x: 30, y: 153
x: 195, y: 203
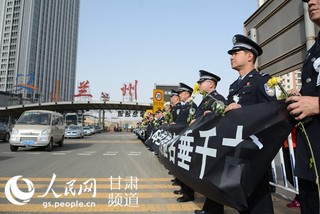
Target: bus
x: 72, y: 119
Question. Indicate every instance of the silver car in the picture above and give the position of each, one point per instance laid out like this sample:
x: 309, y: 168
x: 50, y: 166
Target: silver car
x: 74, y: 131
x: 87, y: 131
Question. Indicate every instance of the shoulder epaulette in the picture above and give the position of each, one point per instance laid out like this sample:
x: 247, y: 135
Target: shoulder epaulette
x: 263, y: 74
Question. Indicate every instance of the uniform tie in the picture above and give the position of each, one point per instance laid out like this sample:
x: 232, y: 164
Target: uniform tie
x: 239, y: 80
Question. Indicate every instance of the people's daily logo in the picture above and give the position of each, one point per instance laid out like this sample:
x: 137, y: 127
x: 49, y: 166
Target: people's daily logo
x: 17, y: 196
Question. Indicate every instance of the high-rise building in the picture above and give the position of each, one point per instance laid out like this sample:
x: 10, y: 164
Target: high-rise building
x: 291, y: 80
x: 38, y: 48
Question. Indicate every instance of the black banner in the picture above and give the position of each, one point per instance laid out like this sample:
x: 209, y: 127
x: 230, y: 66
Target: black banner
x: 224, y: 158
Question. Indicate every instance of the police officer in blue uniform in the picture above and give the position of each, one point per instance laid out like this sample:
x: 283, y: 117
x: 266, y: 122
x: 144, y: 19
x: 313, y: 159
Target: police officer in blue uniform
x: 208, y: 81
x: 250, y: 88
x: 175, y: 105
x: 175, y: 110
x: 306, y: 104
x: 187, y: 106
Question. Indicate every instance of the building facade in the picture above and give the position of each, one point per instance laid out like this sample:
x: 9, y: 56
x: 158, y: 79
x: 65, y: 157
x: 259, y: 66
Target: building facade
x: 38, y: 49
x: 292, y: 80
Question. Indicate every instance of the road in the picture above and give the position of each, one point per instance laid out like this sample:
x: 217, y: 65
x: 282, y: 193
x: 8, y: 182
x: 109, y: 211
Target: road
x: 106, y: 173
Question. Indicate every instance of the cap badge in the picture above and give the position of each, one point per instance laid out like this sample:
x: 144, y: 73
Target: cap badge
x: 234, y: 40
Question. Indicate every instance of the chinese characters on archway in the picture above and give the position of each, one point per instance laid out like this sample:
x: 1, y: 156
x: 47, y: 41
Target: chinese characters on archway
x: 129, y: 91
x: 84, y: 91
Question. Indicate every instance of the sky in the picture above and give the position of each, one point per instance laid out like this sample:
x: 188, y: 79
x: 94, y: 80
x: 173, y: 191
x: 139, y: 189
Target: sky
x: 156, y: 42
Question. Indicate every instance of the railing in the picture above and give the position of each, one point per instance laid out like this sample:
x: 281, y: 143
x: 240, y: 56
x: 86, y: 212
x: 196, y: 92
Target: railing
x: 282, y: 165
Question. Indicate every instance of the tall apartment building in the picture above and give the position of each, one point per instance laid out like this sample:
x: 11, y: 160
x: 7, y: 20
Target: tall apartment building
x: 291, y: 80
x: 38, y: 48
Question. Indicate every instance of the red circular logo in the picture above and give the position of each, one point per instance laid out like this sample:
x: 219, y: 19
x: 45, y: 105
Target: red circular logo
x: 158, y: 96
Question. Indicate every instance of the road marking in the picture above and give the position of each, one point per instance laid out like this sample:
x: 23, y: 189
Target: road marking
x: 33, y: 153
x: 103, y: 141
x: 110, y: 153
x: 58, y: 153
x: 135, y: 153
x: 87, y: 153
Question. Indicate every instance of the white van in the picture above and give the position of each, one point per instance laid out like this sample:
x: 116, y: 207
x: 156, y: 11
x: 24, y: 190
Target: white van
x: 38, y: 128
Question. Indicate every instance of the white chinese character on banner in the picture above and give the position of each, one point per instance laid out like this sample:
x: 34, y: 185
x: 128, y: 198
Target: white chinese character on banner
x: 172, y: 149
x: 184, y: 150
x: 205, y: 151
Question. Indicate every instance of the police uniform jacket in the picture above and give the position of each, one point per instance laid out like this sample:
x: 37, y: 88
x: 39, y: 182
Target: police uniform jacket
x: 175, y: 112
x: 208, y: 101
x: 159, y: 122
x: 149, y: 129
x: 252, y: 89
x: 309, y: 88
x: 184, y: 112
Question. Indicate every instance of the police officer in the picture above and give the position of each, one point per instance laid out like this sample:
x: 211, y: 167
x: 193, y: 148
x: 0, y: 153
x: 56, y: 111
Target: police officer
x: 250, y: 88
x: 175, y: 110
x: 207, y: 84
x: 187, y: 107
x: 306, y: 104
x: 176, y: 105
x: 150, y: 125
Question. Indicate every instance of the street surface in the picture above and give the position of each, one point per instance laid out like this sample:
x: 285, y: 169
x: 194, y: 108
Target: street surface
x: 106, y: 173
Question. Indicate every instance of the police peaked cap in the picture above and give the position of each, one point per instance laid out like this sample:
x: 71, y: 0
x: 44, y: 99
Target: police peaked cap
x: 241, y: 42
x: 205, y: 75
x: 184, y: 87
x: 174, y: 93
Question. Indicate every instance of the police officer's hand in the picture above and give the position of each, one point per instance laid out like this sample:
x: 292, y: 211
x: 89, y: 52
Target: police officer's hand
x: 294, y: 92
x: 192, y: 121
x: 206, y: 112
x: 232, y: 106
x: 303, y: 106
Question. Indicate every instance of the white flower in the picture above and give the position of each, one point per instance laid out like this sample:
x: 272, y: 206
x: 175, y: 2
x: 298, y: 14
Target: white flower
x: 236, y: 98
x: 192, y: 111
x: 190, y: 99
x: 316, y: 65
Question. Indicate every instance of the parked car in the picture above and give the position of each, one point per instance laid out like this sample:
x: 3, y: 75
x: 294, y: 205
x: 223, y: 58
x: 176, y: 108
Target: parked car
x: 86, y: 131
x: 38, y: 128
x: 92, y: 129
x: 74, y: 131
x: 4, y: 132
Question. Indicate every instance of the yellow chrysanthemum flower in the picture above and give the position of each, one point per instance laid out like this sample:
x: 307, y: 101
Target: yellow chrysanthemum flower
x: 273, y: 81
x: 195, y: 88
